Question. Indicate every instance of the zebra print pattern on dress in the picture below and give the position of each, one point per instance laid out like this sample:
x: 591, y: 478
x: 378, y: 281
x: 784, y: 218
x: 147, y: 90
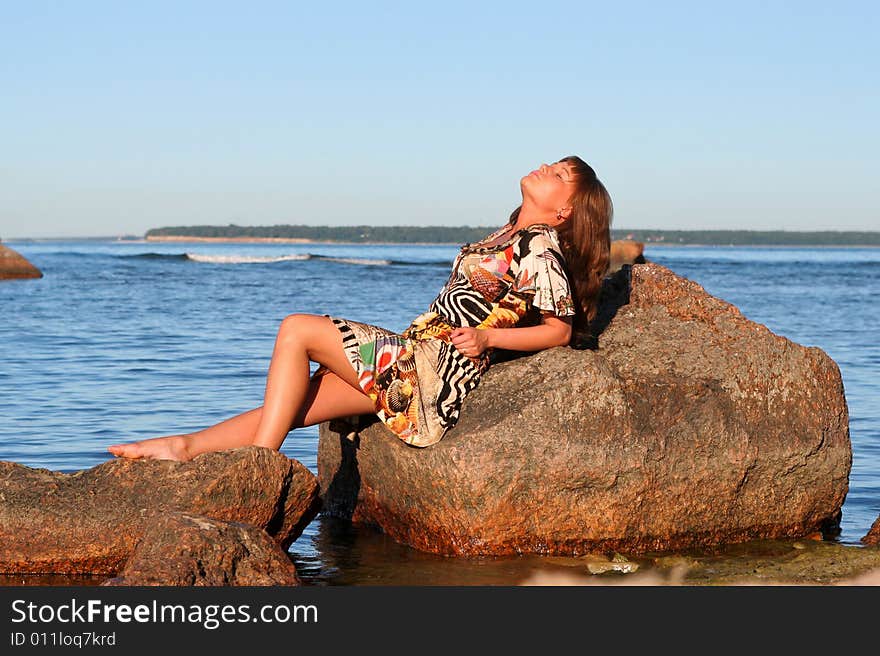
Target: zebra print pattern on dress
x: 461, y: 305
x: 459, y: 376
x: 349, y: 343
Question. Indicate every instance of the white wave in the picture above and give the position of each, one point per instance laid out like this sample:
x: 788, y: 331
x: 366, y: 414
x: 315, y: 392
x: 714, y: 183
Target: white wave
x: 245, y: 259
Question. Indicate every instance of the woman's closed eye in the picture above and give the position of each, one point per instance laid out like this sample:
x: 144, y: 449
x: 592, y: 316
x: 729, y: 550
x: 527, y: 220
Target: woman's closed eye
x: 565, y: 179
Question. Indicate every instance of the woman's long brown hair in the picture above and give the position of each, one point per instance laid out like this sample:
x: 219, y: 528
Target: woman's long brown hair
x: 585, y: 240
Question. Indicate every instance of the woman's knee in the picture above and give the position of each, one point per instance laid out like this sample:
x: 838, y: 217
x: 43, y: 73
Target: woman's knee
x: 298, y: 328
x: 290, y: 329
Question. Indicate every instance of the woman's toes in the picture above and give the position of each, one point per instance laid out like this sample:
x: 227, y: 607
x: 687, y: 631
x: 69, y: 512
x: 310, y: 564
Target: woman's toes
x: 159, y: 448
x: 125, y: 450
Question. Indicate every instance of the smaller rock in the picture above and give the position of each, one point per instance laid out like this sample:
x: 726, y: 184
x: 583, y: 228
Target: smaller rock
x: 873, y: 536
x: 625, y: 251
x: 185, y: 549
x: 612, y: 566
x: 618, y: 563
x: 14, y: 265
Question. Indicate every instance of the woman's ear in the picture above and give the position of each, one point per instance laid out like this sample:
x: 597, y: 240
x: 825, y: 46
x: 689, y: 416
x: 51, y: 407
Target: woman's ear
x: 563, y: 214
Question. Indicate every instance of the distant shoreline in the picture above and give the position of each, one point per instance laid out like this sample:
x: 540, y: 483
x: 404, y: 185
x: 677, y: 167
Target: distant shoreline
x: 258, y: 240
x: 294, y: 240
x: 364, y: 234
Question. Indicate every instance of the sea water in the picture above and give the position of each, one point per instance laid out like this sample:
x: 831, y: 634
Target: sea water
x: 125, y: 340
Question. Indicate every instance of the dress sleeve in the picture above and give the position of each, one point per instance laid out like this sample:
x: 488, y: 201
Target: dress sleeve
x: 542, y: 275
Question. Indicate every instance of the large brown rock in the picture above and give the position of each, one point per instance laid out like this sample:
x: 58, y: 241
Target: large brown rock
x: 14, y: 265
x: 689, y: 425
x: 873, y: 536
x: 180, y: 548
x: 90, y: 520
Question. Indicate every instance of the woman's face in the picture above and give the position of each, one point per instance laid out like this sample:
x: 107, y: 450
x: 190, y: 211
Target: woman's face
x: 549, y: 187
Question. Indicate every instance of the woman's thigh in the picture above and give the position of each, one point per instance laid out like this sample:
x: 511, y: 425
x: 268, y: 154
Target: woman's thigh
x: 323, y: 343
x: 331, y: 397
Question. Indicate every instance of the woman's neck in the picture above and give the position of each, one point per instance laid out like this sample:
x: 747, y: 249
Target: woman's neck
x: 530, y: 215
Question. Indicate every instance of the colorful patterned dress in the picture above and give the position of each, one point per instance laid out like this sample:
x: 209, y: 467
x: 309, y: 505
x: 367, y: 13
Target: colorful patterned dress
x: 418, y: 379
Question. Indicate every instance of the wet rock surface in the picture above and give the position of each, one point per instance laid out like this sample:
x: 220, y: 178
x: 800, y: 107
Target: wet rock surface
x: 688, y: 425
x: 89, y: 521
x: 183, y: 549
x: 770, y: 562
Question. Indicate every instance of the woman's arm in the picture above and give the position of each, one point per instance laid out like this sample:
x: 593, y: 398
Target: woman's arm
x: 553, y: 331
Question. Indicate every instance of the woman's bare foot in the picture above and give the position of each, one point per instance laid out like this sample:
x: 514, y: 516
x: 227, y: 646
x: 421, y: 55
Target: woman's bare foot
x: 173, y: 447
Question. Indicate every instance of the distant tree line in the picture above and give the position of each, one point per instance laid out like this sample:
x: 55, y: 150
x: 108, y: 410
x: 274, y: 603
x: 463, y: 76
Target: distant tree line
x: 751, y: 237
x: 467, y: 234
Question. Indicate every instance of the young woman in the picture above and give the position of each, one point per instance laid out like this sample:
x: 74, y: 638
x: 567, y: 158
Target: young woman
x: 530, y: 285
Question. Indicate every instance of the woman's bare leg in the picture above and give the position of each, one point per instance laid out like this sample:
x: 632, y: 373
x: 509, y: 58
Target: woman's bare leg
x: 286, y: 382
x: 228, y: 434
x: 301, y: 338
x: 327, y: 396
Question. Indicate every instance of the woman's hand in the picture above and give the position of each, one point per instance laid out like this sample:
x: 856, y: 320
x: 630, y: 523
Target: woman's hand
x: 470, y: 342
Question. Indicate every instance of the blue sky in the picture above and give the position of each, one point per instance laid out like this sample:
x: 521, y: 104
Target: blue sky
x: 119, y: 117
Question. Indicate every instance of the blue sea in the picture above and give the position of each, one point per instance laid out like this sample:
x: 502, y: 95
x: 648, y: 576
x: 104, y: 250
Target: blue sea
x: 125, y: 340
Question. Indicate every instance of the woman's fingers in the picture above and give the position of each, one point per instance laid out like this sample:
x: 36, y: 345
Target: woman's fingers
x: 463, y: 344
x: 459, y: 337
x: 465, y: 340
